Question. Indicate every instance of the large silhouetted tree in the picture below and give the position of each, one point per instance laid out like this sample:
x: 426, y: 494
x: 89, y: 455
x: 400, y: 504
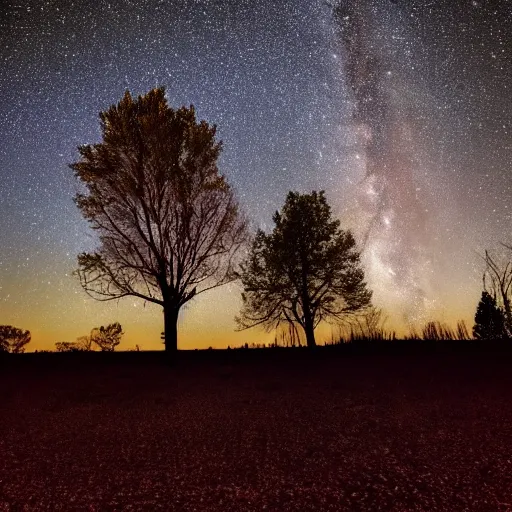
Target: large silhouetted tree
x: 305, y: 271
x: 168, y: 221
x: 13, y: 339
x: 489, y: 319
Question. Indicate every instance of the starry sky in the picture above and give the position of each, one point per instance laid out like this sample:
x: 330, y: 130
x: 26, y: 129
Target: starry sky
x: 280, y: 81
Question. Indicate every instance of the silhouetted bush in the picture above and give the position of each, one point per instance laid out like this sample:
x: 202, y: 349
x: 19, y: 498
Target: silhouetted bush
x: 13, y: 340
x: 67, y: 346
x: 107, y: 338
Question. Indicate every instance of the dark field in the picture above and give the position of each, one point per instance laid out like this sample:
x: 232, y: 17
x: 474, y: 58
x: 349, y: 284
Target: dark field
x: 269, y: 430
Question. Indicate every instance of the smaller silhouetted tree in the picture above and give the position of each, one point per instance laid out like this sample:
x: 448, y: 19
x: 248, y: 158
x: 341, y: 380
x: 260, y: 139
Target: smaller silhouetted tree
x: 13, y: 340
x: 107, y: 338
x: 305, y: 271
x: 489, y: 319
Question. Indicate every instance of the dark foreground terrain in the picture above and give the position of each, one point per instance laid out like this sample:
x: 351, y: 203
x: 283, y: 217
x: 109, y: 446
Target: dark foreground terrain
x: 328, y: 431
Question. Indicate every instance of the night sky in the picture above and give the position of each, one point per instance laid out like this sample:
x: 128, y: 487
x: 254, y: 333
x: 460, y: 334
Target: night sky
x: 280, y: 82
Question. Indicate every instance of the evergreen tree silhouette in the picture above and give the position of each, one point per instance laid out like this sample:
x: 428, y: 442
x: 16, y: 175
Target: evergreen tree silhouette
x: 489, y: 319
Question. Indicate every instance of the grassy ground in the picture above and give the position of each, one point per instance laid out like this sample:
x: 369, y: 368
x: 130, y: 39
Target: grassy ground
x: 261, y: 431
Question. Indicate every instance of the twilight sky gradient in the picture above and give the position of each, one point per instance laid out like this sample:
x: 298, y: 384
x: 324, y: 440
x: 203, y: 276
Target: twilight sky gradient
x: 273, y: 77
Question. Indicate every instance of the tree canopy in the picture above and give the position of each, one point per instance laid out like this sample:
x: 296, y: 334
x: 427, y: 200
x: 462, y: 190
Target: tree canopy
x: 13, y: 339
x: 305, y: 271
x: 107, y: 338
x: 169, y: 224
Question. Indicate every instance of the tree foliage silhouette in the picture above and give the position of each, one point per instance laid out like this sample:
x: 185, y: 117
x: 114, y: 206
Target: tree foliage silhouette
x: 168, y: 221
x: 107, y: 338
x: 489, y: 319
x: 305, y: 271
x: 13, y: 340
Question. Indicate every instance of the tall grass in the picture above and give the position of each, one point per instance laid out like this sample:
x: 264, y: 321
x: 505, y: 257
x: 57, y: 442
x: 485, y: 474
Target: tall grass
x: 431, y: 331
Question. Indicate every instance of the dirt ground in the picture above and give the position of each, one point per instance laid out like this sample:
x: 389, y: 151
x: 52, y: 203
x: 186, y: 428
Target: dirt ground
x: 334, y: 432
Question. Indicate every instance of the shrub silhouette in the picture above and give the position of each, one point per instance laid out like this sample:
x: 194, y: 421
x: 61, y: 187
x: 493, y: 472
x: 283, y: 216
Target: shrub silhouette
x: 107, y: 338
x: 13, y: 340
x: 67, y: 346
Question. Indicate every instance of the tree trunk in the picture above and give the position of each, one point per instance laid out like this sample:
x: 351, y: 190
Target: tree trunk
x: 171, y: 331
x: 308, y: 317
x: 310, y: 331
x: 508, y: 314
